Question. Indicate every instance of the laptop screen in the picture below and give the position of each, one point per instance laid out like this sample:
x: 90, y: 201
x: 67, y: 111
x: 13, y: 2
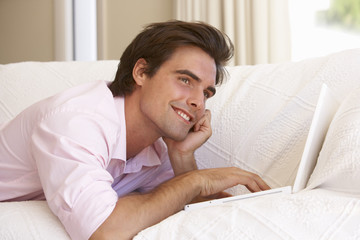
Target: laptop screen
x: 326, y: 107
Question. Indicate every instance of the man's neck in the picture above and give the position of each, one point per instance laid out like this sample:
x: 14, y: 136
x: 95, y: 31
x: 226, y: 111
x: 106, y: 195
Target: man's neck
x: 138, y: 134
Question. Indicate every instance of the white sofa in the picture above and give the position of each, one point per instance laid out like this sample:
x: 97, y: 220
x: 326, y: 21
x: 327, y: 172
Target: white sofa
x: 260, y: 118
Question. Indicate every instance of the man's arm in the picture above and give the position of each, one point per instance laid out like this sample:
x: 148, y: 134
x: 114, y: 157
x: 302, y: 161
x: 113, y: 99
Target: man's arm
x: 134, y: 213
x: 181, y: 154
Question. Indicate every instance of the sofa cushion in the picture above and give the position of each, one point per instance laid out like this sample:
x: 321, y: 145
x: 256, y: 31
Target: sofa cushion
x: 338, y: 166
x: 29, y: 220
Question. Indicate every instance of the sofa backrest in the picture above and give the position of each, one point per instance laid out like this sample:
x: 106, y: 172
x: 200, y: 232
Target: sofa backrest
x: 25, y: 83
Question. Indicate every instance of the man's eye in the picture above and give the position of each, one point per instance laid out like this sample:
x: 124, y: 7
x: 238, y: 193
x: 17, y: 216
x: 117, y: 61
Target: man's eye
x: 185, y: 80
x: 207, y: 95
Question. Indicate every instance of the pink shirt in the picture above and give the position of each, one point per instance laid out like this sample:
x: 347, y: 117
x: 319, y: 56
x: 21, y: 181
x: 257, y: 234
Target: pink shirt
x: 71, y: 150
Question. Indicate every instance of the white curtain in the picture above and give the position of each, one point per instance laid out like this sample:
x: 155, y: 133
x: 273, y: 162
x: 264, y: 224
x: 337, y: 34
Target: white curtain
x: 63, y: 29
x: 75, y: 30
x: 259, y: 29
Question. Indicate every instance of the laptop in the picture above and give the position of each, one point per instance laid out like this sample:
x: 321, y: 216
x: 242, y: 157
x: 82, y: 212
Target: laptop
x: 326, y: 107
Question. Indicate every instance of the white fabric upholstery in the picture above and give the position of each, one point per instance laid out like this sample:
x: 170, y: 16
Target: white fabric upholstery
x: 260, y: 120
x: 310, y: 215
x: 338, y: 166
x: 30, y: 220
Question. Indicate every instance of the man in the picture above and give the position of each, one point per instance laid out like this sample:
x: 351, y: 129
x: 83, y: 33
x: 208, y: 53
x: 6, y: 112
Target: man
x: 96, y: 152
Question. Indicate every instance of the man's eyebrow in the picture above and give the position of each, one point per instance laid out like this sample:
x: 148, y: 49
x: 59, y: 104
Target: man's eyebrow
x: 192, y: 75
x: 189, y: 73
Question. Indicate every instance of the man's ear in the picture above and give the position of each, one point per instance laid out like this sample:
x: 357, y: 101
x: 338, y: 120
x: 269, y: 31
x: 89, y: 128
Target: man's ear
x: 138, y: 73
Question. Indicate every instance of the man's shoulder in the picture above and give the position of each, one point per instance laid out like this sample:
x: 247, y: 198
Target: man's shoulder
x: 91, y: 102
x: 90, y: 97
x: 90, y: 93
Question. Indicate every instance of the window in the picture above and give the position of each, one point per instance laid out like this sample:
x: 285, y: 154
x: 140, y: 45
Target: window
x: 322, y: 27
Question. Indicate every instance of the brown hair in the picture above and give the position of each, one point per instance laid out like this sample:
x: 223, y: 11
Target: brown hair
x: 158, y: 41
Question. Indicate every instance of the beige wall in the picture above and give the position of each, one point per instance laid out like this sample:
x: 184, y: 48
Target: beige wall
x: 27, y: 26
x: 121, y: 20
x: 26, y: 29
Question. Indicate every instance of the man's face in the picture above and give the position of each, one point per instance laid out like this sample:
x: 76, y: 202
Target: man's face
x: 173, y: 100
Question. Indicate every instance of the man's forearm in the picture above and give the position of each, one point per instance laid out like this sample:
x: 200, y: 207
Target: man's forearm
x: 136, y: 212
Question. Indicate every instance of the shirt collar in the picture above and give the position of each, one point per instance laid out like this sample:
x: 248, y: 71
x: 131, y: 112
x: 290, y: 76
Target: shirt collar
x: 120, y: 149
x: 148, y: 157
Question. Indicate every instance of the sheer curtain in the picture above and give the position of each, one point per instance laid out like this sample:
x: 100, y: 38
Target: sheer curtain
x: 259, y: 29
x: 75, y: 30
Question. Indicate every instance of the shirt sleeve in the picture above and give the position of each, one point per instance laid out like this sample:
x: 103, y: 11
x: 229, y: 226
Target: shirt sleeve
x: 71, y: 153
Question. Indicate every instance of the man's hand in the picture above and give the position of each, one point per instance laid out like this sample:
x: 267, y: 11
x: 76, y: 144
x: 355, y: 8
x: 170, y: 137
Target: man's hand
x: 133, y: 213
x: 216, y: 180
x: 182, y: 153
x: 199, y: 134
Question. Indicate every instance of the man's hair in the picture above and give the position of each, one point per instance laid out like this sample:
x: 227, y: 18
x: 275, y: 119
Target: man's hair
x: 158, y: 41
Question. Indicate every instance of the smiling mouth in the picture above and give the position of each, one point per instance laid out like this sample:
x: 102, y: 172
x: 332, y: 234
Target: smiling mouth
x: 183, y: 115
x: 188, y: 118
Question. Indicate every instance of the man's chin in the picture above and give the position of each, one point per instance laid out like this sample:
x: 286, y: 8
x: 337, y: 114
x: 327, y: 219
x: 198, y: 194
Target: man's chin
x: 178, y: 137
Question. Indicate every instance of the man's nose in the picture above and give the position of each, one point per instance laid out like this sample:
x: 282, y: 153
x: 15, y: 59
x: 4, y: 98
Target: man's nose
x: 196, y: 99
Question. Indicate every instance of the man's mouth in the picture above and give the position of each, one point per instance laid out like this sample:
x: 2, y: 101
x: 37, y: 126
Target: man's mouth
x: 183, y: 115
